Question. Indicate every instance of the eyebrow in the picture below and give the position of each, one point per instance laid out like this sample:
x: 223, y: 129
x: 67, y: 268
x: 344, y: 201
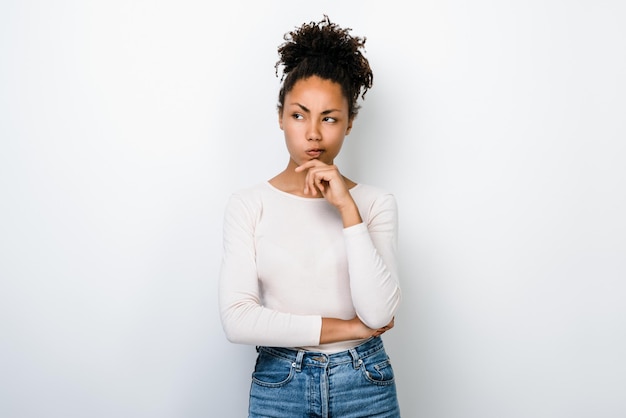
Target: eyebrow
x: 325, y: 112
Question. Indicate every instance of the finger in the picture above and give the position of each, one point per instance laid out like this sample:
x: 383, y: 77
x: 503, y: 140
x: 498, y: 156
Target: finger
x: 308, y: 164
x: 321, y: 178
x: 319, y: 181
x: 310, y: 181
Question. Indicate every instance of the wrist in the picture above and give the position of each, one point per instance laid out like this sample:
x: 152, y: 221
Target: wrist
x: 350, y: 214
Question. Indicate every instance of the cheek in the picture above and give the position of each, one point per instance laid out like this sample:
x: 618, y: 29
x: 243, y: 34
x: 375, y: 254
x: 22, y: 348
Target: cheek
x: 291, y: 136
x: 293, y: 131
x: 288, y: 131
x: 337, y: 138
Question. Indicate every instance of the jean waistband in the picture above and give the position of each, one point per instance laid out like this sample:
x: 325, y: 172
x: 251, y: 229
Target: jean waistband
x: 301, y: 358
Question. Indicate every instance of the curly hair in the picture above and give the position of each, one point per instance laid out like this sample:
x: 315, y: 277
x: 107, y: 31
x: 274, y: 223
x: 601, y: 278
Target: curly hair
x: 328, y: 51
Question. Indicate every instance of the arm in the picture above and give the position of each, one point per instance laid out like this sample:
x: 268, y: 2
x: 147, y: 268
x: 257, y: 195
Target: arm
x: 334, y: 330
x: 244, y: 319
x: 372, y: 261
x: 371, y: 247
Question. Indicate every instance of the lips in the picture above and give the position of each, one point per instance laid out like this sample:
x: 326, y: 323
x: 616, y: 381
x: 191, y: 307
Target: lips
x: 314, y: 153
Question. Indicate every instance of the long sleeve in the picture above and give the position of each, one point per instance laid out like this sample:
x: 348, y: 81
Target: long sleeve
x: 288, y: 262
x: 244, y: 319
x: 371, y: 249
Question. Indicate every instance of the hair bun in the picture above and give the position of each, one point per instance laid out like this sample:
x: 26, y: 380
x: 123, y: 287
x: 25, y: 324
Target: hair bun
x: 325, y: 49
x: 319, y: 40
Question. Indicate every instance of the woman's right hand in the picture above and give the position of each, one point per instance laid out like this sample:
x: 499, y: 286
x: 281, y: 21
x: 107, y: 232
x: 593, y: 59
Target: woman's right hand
x: 363, y: 331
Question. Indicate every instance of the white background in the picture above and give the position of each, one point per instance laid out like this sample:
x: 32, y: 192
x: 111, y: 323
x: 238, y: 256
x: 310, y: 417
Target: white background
x: 499, y: 125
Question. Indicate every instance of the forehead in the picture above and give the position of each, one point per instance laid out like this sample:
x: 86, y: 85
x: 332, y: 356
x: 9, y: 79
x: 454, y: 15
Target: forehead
x: 315, y: 90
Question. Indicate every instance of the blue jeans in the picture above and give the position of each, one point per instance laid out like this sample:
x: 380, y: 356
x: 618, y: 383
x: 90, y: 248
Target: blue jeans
x: 354, y: 383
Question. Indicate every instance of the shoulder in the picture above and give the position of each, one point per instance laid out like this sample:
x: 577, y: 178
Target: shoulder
x: 374, y: 201
x: 247, y: 200
x: 367, y: 195
x: 249, y: 193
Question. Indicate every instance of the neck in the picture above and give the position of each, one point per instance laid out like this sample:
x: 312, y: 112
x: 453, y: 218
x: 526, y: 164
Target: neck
x: 289, y: 180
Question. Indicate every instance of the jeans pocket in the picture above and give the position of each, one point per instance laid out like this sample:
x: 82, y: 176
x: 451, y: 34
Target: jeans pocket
x: 377, y: 370
x: 271, y: 371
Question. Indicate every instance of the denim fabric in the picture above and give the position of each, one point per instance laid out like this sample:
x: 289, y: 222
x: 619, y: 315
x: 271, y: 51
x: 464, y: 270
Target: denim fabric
x: 355, y: 383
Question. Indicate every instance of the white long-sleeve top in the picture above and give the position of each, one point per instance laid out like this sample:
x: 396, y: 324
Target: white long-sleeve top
x: 288, y: 261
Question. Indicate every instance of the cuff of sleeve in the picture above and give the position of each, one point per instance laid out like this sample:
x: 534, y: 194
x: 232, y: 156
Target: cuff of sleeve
x: 355, y: 230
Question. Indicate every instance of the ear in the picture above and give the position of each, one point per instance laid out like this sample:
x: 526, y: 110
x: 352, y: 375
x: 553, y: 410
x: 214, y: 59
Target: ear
x: 280, y: 118
x: 349, y: 128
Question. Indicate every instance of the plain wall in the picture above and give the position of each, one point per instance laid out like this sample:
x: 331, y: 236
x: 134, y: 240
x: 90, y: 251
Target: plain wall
x: 499, y: 126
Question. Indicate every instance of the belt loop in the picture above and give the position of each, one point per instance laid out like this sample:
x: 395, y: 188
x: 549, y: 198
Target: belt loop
x: 298, y: 363
x: 356, y: 361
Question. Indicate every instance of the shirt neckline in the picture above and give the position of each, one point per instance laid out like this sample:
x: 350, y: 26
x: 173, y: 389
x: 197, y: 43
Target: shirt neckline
x: 308, y: 199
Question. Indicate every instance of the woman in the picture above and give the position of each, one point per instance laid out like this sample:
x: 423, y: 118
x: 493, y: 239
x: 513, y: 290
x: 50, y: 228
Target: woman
x: 309, y: 270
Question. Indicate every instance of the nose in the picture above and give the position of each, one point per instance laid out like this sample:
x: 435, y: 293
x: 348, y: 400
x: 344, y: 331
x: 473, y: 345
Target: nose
x: 313, y: 132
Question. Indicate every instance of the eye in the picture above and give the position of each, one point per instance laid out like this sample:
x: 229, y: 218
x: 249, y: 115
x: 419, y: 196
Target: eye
x: 329, y: 119
x: 297, y: 116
